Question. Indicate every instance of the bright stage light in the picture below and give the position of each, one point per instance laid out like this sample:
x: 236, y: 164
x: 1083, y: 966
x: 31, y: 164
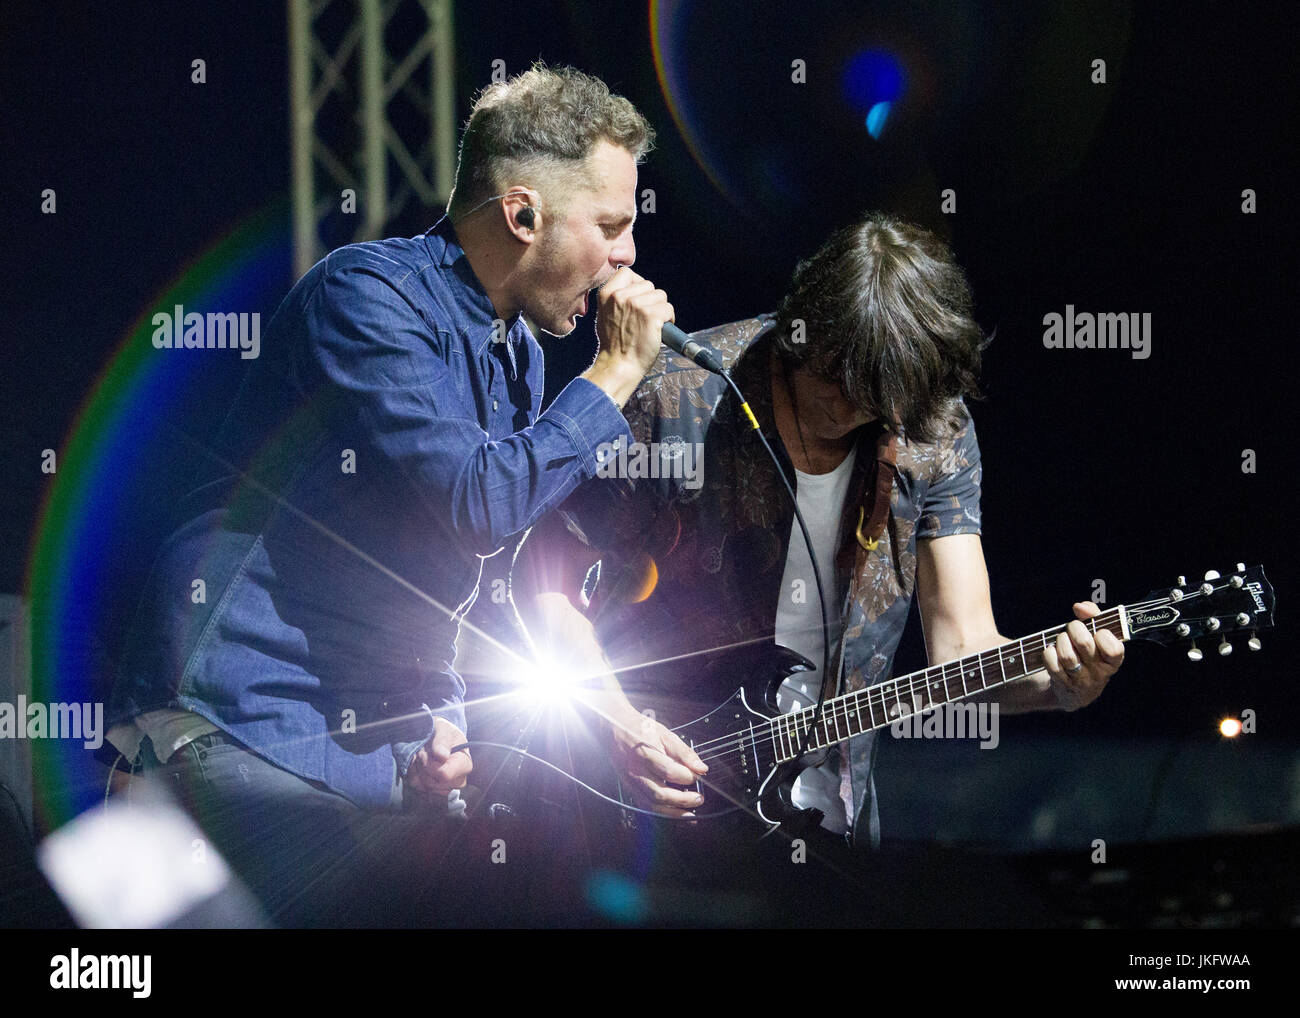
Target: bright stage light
x: 1230, y: 728
x: 549, y: 683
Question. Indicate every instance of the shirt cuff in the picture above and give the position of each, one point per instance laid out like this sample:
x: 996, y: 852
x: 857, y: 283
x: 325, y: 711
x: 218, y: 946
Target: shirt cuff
x: 404, y: 752
x: 591, y: 419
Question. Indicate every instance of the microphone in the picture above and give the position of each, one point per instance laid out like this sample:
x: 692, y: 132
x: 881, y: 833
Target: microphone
x: 680, y: 343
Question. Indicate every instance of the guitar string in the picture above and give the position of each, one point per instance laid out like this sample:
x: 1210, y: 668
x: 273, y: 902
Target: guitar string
x: 994, y: 655
x: 792, y: 726
x: 849, y: 709
x: 797, y: 719
x: 795, y: 724
x: 787, y: 725
x: 789, y: 728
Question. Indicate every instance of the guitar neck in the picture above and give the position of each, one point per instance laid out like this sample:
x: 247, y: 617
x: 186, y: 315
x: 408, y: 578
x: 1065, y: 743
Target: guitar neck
x: 865, y: 710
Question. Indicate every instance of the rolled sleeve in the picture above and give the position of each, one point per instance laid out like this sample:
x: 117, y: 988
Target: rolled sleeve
x: 404, y: 751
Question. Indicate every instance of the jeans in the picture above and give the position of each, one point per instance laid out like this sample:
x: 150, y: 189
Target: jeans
x: 220, y: 764
x: 309, y: 855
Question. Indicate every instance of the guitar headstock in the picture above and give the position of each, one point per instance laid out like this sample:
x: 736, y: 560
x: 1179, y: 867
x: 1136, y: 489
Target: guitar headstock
x: 1242, y: 601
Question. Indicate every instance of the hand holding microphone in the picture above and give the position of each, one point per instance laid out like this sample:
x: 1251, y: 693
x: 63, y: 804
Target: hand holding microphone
x: 633, y: 320
x: 631, y: 315
x: 629, y: 322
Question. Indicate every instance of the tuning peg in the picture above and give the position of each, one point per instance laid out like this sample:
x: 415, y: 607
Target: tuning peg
x: 1182, y: 581
x: 1237, y: 582
x: 1253, y: 643
x: 1241, y: 567
x: 1194, y: 652
x: 1207, y: 587
x: 1243, y: 619
x: 1225, y: 648
x: 1212, y: 624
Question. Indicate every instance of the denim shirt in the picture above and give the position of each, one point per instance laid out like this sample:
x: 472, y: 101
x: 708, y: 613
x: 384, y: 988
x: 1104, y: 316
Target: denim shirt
x: 388, y: 439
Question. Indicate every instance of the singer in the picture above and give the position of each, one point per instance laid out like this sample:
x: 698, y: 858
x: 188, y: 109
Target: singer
x: 389, y: 437
x: 860, y: 380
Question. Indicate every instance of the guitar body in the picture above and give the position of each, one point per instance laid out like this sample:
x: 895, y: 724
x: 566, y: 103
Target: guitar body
x: 743, y: 767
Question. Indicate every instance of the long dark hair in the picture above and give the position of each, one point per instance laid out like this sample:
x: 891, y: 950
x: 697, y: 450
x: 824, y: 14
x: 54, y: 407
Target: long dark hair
x: 884, y: 310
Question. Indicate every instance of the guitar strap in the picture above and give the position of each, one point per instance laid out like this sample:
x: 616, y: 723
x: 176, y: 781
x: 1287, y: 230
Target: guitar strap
x: 873, y: 494
x: 871, y: 526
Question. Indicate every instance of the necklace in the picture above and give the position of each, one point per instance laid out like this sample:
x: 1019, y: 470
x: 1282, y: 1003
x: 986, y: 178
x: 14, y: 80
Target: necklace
x: 836, y: 455
x: 794, y: 411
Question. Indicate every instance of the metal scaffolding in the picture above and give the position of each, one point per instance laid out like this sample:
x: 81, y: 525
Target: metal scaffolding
x: 359, y: 111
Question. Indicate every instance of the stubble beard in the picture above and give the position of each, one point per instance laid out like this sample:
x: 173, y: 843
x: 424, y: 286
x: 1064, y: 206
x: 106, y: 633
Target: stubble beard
x: 550, y: 265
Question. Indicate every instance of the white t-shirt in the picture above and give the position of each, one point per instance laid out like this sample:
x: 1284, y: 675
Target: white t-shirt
x: 821, y: 499
x: 168, y: 731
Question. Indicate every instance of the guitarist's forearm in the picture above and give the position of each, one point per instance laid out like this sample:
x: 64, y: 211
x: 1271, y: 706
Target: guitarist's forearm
x: 551, y: 560
x: 947, y: 641
x: 644, y: 749
x: 566, y: 636
x: 1030, y: 693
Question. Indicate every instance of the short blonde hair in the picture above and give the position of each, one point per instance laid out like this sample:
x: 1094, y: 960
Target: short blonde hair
x: 541, y: 125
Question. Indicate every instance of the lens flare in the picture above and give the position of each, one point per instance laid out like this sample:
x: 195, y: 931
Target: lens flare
x: 547, y: 682
x: 871, y: 78
x: 876, y: 119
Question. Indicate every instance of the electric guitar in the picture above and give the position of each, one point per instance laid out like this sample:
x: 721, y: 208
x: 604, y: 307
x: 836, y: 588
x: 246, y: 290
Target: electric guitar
x: 753, y: 753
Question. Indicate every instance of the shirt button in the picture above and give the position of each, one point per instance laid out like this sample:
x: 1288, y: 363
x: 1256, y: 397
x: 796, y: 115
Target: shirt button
x: 495, y: 404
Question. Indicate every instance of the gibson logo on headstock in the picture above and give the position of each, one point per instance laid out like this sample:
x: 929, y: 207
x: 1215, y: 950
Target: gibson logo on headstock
x: 1154, y: 617
x: 1257, y: 591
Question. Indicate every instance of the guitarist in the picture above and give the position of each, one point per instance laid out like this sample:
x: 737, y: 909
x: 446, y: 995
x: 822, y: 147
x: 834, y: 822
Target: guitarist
x: 697, y: 542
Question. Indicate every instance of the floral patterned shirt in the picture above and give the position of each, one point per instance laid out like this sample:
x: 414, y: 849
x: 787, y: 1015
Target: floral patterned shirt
x: 694, y: 562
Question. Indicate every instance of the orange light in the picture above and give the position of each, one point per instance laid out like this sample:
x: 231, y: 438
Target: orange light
x: 1230, y: 728
x: 649, y: 580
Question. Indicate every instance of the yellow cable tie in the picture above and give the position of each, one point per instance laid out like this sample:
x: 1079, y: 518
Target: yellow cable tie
x: 750, y: 414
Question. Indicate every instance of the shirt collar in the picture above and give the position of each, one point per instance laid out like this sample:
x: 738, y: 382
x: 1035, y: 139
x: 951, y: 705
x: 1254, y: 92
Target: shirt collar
x: 445, y: 251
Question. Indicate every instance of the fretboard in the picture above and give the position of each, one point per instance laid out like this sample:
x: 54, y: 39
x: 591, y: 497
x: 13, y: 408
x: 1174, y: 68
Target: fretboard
x: 879, y: 706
